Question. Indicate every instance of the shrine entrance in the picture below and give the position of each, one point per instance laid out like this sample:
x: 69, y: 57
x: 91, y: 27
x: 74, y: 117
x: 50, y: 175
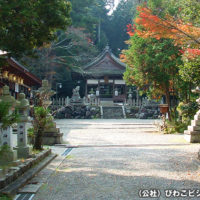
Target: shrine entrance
x: 106, y: 90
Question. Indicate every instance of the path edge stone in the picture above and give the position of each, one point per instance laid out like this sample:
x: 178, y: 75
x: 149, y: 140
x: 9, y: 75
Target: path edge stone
x: 12, y: 188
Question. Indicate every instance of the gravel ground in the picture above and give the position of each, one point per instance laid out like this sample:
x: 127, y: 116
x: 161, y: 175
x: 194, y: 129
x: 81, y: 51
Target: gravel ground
x: 153, y: 162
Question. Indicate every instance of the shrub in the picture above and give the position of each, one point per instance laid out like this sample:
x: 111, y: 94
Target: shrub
x: 6, y: 118
x: 42, y: 120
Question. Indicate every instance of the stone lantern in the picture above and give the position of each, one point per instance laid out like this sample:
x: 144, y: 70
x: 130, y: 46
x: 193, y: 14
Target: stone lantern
x: 130, y: 97
x: 6, y: 135
x: 116, y: 92
x: 192, y: 134
x: 44, y: 94
x: 23, y: 106
x: 51, y: 134
x: 97, y: 96
x: 92, y: 96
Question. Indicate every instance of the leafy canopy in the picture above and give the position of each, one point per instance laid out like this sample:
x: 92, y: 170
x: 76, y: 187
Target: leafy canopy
x: 156, y: 27
x: 27, y: 24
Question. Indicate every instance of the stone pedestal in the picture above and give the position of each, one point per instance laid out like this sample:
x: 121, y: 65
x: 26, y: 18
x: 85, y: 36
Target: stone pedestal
x: 23, y: 151
x: 6, y: 139
x: 52, y: 136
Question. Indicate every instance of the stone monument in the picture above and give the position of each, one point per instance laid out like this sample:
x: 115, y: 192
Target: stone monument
x: 192, y: 134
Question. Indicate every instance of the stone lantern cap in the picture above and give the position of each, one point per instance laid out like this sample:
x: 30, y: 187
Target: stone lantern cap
x: 129, y: 91
x: 45, y: 83
x: 23, y: 102
x: 6, y: 97
x: 46, y: 88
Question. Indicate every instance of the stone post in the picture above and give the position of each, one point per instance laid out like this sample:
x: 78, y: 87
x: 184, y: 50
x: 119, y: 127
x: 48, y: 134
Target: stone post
x: 84, y: 101
x: 130, y: 103
x: 23, y: 151
x: 6, y: 134
x: 67, y: 101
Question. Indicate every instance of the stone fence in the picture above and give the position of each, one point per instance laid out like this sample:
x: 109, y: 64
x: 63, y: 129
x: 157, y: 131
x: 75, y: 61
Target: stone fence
x: 64, y: 102
x: 95, y: 101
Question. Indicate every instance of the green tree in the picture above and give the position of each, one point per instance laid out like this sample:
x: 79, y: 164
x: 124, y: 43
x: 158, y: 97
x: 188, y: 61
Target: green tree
x: 116, y: 25
x: 152, y: 66
x: 27, y: 24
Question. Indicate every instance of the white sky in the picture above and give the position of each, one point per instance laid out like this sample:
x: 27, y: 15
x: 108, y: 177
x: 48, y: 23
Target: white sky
x: 116, y: 3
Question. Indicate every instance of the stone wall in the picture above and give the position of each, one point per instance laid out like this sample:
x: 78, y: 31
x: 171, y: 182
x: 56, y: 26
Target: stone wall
x: 145, y: 112
x: 78, y: 112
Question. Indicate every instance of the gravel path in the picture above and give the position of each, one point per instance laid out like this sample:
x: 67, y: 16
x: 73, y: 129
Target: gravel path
x: 142, y: 161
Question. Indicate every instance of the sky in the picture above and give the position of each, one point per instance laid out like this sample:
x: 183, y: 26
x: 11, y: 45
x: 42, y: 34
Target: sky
x: 116, y: 3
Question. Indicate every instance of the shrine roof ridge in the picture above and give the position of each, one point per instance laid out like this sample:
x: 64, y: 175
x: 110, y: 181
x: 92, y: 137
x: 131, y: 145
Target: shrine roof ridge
x: 107, y: 50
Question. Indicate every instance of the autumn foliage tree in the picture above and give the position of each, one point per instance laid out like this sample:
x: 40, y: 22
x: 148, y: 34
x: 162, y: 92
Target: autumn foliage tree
x: 183, y: 34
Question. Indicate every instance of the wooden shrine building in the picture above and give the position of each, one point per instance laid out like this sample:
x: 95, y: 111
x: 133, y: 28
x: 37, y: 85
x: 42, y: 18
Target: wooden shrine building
x: 105, y: 74
x: 18, y: 78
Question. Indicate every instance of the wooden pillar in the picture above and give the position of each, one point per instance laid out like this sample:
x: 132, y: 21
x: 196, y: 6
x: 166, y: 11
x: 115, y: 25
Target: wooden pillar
x: 99, y: 88
x: 113, y: 88
x: 86, y: 89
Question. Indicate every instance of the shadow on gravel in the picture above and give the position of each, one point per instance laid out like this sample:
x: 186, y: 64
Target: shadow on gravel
x: 95, y: 185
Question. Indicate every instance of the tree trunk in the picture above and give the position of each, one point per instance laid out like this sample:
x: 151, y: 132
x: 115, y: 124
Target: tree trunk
x: 38, y: 140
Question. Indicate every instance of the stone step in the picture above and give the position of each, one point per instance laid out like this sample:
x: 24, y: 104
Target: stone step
x: 106, y: 103
x: 188, y: 132
x: 195, y: 123
x: 192, y: 138
x: 197, y: 117
x: 194, y: 128
x: 113, y: 112
x: 107, y: 126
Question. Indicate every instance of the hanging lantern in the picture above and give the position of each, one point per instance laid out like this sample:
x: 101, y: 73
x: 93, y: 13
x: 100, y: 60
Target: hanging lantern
x: 18, y: 79
x: 5, y: 74
x: 21, y: 81
x: 10, y: 77
x: 14, y: 78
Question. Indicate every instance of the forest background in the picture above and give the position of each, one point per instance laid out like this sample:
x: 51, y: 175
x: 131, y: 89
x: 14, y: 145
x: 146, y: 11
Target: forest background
x: 94, y: 24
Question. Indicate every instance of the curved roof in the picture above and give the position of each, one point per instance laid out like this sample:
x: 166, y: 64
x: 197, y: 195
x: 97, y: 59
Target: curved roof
x: 18, y: 69
x: 105, y: 64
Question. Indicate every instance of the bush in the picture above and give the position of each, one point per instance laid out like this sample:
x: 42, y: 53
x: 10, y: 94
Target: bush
x: 187, y: 111
x: 42, y: 120
x: 6, y: 118
x: 5, y: 197
x: 175, y: 127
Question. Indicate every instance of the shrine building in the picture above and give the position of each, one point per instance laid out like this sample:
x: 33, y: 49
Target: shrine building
x: 104, y: 76
x: 18, y: 78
